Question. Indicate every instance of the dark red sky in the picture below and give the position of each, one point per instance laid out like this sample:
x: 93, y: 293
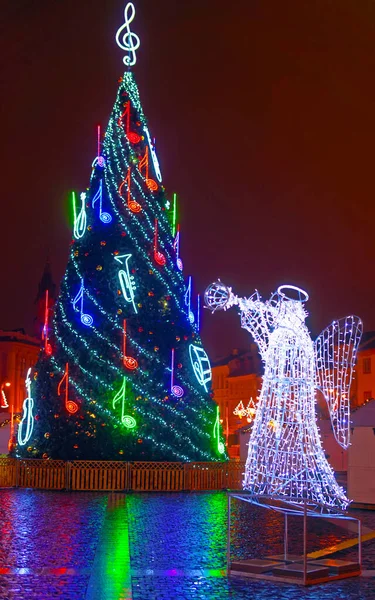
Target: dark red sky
x: 264, y: 115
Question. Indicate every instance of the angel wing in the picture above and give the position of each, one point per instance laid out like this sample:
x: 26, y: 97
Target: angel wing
x: 335, y: 353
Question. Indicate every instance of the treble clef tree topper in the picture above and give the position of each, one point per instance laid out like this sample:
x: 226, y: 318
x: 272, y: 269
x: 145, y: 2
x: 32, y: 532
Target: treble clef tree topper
x: 127, y: 40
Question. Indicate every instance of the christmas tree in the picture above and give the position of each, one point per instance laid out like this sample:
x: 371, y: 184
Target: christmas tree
x: 123, y: 374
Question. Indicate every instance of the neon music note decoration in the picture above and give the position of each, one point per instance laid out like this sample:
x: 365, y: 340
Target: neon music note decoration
x: 103, y: 216
x: 153, y: 154
x: 70, y: 405
x: 129, y: 362
x: 176, y: 390
x: 47, y: 345
x: 201, y: 365
x: 126, y: 280
x: 27, y: 421
x: 85, y: 318
x: 176, y: 246
x: 126, y: 420
x: 216, y: 434
x: 132, y: 204
x: 130, y: 41
x: 80, y: 221
x: 188, y: 301
x: 124, y: 121
x: 158, y: 256
x: 143, y: 165
x: 98, y: 160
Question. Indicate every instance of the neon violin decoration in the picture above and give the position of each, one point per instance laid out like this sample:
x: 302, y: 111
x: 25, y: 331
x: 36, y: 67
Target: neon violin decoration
x: 85, y: 318
x: 80, y: 221
x: 127, y: 420
x: 158, y: 256
x: 201, y: 365
x: 129, y: 42
x: 103, y: 216
x: 26, y: 425
x: 47, y: 345
x: 176, y: 247
x: 124, y: 121
x: 143, y: 166
x: 126, y: 280
x: 132, y: 204
x: 70, y: 405
x: 129, y: 362
x: 153, y: 155
x: 188, y: 302
x: 98, y: 160
x: 220, y: 445
x: 176, y: 390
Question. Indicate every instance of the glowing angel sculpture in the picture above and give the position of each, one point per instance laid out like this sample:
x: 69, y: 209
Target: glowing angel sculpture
x: 285, y: 457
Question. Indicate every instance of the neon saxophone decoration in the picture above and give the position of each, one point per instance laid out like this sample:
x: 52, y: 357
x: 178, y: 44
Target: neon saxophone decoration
x: 129, y: 42
x: 126, y: 280
x: 103, y: 216
x: 201, y: 365
x: 158, y: 256
x: 70, y: 405
x: 80, y: 221
x: 127, y: 420
x: 129, y: 362
x: 176, y: 390
x: 27, y: 422
x: 134, y: 206
x: 86, y: 319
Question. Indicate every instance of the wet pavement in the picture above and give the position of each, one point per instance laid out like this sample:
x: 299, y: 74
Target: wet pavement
x: 97, y: 546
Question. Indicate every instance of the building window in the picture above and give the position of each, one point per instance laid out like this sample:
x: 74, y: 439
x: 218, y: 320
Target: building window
x: 367, y: 366
x: 367, y: 396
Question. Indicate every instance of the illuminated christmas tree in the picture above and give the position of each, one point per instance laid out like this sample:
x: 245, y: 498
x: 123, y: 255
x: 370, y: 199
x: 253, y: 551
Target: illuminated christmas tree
x: 123, y: 374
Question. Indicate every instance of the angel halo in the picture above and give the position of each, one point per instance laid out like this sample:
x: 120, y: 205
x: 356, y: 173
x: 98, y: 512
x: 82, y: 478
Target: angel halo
x: 286, y: 459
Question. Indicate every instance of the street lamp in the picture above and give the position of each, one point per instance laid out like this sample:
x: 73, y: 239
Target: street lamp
x: 3, y: 398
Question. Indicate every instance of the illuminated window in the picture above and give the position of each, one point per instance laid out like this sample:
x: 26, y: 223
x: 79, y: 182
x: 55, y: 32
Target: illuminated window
x: 367, y: 365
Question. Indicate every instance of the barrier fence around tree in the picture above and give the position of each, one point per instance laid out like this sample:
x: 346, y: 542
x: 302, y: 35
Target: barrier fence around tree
x: 85, y: 475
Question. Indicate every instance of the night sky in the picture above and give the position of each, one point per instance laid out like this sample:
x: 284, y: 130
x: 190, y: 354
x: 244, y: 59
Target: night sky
x: 264, y: 118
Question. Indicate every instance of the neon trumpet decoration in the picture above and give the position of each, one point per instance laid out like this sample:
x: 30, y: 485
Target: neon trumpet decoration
x: 126, y: 280
x: 176, y: 390
x: 70, y: 405
x: 143, y: 166
x: 129, y: 362
x: 158, y: 256
x: 134, y: 206
x: 26, y: 425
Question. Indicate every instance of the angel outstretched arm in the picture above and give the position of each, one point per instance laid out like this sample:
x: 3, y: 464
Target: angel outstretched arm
x: 255, y: 314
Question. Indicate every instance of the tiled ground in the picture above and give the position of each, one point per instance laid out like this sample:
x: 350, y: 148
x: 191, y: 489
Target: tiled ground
x: 93, y: 546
